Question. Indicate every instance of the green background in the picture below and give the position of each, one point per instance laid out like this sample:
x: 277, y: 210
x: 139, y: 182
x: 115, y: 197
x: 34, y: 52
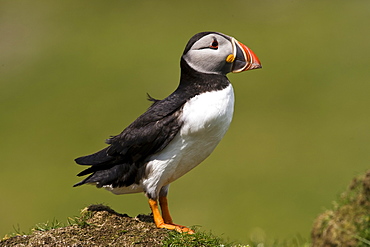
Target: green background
x: 72, y: 73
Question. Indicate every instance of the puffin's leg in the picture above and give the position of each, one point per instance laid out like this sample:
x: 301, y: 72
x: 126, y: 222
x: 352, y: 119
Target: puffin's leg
x: 165, y: 211
x: 164, y: 220
x: 159, y: 222
x: 164, y: 205
x: 167, y: 217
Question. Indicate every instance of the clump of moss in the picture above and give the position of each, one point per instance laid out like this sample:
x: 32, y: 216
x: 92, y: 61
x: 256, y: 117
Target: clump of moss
x: 348, y: 223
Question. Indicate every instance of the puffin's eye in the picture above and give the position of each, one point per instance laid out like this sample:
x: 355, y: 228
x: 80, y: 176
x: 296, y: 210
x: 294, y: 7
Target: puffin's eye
x: 214, y: 44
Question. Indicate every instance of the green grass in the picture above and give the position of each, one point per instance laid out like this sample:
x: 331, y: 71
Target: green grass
x: 48, y: 225
x: 199, y: 238
x: 81, y: 221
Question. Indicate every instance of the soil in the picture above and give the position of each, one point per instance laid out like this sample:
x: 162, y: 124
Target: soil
x: 98, y: 225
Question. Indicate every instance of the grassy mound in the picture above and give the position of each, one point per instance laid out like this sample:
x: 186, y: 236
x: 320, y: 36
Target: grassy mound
x: 99, y: 225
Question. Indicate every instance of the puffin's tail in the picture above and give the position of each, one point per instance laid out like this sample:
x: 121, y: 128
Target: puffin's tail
x: 106, y: 170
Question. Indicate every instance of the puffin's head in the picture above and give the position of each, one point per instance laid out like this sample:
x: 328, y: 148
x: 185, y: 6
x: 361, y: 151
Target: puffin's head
x: 217, y: 53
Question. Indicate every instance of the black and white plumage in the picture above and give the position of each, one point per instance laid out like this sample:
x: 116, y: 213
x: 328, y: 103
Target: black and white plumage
x: 177, y: 133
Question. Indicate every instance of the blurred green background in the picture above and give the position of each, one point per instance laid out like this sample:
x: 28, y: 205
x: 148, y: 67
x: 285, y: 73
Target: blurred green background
x: 72, y: 73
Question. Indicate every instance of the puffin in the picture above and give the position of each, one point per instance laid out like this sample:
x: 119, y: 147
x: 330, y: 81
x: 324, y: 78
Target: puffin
x: 177, y: 133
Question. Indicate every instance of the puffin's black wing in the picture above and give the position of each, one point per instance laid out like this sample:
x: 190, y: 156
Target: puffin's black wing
x: 123, y: 162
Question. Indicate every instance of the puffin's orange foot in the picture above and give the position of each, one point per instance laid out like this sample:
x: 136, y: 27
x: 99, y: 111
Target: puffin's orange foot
x: 184, y: 229
x: 179, y: 228
x: 167, y: 223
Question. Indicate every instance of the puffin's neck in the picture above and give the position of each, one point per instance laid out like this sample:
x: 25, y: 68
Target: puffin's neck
x: 201, y: 82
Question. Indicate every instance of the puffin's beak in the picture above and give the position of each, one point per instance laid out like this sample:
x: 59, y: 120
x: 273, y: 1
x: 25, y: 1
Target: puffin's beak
x: 245, y: 59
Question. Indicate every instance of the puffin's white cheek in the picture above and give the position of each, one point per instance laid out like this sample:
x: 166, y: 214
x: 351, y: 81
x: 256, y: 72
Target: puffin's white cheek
x: 206, y: 62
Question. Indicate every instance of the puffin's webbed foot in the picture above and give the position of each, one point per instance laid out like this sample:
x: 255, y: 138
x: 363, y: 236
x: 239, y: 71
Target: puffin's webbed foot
x: 166, y: 220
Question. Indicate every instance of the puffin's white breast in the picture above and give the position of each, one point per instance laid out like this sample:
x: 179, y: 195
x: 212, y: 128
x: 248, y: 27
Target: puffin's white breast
x: 208, y: 114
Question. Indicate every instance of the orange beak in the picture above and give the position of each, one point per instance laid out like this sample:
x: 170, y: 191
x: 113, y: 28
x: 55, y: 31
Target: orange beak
x: 245, y: 59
